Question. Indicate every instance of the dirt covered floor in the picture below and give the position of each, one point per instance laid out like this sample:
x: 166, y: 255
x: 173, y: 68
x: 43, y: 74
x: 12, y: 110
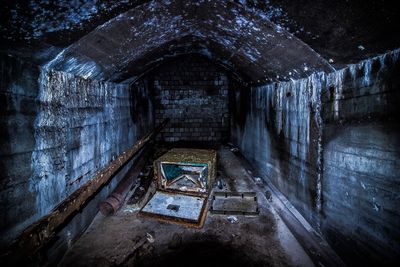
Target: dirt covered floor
x: 129, y: 239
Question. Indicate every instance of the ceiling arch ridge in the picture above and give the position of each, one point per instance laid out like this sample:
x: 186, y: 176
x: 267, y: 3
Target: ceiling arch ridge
x: 246, y: 40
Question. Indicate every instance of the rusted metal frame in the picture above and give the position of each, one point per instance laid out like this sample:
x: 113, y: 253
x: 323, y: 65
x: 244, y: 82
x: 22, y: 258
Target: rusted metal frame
x: 40, y: 233
x: 181, y: 221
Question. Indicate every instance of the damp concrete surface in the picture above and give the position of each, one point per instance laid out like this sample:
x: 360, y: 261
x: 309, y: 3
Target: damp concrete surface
x: 129, y: 239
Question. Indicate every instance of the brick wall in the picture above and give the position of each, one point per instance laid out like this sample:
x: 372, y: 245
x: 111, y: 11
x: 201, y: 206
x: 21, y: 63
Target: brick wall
x: 193, y: 93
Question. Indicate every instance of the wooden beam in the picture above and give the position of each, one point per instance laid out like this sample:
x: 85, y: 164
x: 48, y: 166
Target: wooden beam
x: 40, y: 233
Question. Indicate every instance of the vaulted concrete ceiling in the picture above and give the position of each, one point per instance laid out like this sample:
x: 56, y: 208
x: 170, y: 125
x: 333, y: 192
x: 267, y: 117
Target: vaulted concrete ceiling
x: 240, y: 39
x: 341, y: 31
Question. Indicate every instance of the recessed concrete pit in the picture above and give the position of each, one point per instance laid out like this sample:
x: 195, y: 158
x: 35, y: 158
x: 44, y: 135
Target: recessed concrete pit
x: 300, y: 101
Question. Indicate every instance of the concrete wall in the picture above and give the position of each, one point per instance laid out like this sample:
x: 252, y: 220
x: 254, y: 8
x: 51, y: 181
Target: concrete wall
x: 18, y: 110
x: 57, y: 131
x: 193, y: 93
x: 331, y: 144
x: 275, y: 126
x: 361, y: 178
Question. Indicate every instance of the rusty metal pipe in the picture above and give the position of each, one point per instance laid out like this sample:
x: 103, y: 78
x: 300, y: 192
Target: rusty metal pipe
x: 40, y: 233
x: 116, y: 199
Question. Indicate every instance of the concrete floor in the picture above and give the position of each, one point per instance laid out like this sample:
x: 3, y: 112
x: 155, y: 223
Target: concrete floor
x: 128, y: 239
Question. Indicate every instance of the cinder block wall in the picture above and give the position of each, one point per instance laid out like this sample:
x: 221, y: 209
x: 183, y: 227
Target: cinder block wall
x: 193, y: 93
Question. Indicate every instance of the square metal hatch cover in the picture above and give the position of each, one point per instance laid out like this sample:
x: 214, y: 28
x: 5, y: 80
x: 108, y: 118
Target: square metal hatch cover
x: 234, y: 203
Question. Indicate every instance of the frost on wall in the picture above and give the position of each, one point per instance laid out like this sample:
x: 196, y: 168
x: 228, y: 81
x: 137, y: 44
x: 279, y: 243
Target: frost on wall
x: 368, y: 77
x: 361, y: 155
x: 281, y: 136
x: 81, y: 126
x: 283, y: 128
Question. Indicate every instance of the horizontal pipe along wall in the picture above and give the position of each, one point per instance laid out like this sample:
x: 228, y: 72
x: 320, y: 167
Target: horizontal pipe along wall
x: 330, y: 143
x: 59, y: 129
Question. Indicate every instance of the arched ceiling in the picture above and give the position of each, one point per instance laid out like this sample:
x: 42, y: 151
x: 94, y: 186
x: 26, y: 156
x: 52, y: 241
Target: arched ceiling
x: 341, y: 31
x: 236, y: 37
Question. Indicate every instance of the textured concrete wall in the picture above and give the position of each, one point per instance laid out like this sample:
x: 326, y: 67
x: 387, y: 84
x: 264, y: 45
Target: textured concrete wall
x: 361, y: 178
x: 330, y: 143
x: 193, y: 93
x: 275, y: 126
x: 81, y: 126
x: 18, y: 111
x: 58, y: 131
